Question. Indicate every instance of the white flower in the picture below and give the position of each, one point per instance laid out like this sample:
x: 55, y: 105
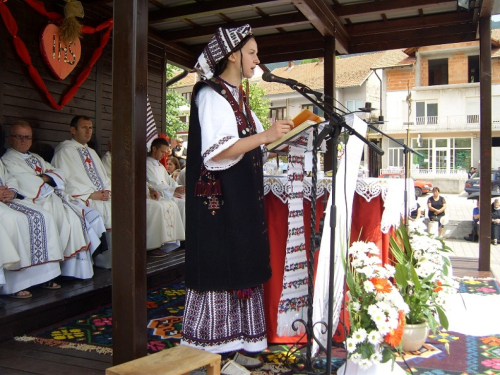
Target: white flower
x: 376, y: 357
x: 350, y: 344
x: 355, y: 357
x: 383, y: 328
x: 369, y: 287
x: 359, y: 335
x: 375, y: 338
x: 365, y: 364
x: 355, y: 306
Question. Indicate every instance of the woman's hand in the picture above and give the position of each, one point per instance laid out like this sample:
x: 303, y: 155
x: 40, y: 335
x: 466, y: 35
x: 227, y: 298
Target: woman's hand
x: 278, y: 130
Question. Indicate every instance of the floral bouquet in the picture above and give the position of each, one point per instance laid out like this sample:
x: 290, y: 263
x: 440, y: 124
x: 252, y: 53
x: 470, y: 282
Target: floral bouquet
x: 376, y: 308
x: 423, y: 276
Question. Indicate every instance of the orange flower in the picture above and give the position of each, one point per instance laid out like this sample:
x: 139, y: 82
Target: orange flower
x: 394, y: 337
x: 381, y: 285
x: 438, y: 288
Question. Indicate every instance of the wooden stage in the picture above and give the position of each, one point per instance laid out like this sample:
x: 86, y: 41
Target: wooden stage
x: 49, y: 307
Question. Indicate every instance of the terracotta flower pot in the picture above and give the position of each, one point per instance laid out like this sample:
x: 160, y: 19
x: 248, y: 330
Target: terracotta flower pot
x: 414, y: 336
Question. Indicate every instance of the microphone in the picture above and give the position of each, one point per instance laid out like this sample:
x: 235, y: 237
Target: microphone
x: 268, y: 77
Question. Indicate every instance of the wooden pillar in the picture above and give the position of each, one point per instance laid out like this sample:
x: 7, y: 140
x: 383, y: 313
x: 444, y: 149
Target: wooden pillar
x: 130, y: 61
x: 485, y: 142
x: 163, y: 125
x: 329, y: 85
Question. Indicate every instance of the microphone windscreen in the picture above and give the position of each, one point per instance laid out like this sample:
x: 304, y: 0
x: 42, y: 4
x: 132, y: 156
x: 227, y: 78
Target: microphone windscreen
x: 267, y: 76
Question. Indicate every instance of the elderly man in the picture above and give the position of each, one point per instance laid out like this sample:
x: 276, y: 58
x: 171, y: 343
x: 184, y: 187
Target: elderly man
x: 159, y: 179
x: 44, y: 185
x: 86, y: 178
x: 180, y: 152
x: 164, y: 227
x: 34, y: 234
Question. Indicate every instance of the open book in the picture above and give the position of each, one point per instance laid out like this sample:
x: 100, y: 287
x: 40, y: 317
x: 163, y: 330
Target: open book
x: 302, y: 127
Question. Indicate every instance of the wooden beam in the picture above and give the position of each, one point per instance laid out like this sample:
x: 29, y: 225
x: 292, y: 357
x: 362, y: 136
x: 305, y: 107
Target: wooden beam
x: 130, y: 41
x: 322, y: 17
x: 203, y: 8
x: 409, y: 23
x: 406, y: 43
x: 405, y: 35
x: 384, y: 6
x: 485, y: 141
x: 292, y: 19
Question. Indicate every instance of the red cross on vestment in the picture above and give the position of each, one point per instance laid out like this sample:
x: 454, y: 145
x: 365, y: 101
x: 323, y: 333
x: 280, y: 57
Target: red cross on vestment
x: 89, y: 161
x: 38, y: 170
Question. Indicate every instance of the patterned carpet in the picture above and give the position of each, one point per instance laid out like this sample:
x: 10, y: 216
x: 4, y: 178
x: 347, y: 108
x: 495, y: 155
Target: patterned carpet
x: 93, y: 331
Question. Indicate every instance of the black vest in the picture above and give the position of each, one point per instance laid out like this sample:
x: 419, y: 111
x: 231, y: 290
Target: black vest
x: 227, y: 245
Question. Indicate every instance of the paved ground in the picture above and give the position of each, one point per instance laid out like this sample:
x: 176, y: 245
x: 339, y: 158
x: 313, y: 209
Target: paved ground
x: 460, y: 208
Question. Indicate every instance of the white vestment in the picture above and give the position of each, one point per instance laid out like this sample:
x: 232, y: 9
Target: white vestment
x: 8, y: 252
x: 85, y: 174
x: 164, y: 223
x: 159, y: 179
x: 33, y: 232
x: 75, y: 238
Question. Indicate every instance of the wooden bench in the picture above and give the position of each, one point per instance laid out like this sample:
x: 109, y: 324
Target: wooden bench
x: 174, y: 361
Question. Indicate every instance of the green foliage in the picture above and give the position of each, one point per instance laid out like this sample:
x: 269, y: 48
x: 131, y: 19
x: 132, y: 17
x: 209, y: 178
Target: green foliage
x: 308, y: 61
x: 174, y: 102
x: 259, y: 104
x: 420, y: 292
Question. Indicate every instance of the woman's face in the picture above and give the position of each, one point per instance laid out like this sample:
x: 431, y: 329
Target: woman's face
x: 249, y: 56
x: 170, y: 166
x: 496, y: 203
x: 435, y: 192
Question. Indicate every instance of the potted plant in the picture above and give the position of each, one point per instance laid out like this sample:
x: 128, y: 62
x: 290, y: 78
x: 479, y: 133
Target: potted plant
x: 424, y: 281
x: 376, y: 313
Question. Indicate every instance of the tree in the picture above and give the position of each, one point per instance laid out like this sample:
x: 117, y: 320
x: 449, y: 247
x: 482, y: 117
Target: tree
x: 174, y: 101
x: 259, y: 104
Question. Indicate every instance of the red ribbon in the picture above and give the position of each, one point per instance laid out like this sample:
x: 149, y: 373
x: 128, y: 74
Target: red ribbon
x: 24, y: 55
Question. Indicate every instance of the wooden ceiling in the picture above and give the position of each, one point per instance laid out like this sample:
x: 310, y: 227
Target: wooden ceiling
x: 297, y: 29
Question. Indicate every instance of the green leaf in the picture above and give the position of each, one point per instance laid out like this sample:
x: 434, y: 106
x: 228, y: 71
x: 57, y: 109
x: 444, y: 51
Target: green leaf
x: 443, y: 319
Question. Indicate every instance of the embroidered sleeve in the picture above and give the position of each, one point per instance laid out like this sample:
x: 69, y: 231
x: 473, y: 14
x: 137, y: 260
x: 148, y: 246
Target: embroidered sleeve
x: 218, y: 129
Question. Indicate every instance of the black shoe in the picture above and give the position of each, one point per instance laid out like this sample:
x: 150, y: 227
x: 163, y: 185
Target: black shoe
x: 468, y: 238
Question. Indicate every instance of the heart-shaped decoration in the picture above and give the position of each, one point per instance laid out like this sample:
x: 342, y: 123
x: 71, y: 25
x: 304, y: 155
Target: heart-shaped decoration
x: 23, y: 53
x: 61, y: 58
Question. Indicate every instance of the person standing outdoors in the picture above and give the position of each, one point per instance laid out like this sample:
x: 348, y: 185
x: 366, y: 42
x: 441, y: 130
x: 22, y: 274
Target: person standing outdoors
x: 437, y: 206
x: 227, y: 245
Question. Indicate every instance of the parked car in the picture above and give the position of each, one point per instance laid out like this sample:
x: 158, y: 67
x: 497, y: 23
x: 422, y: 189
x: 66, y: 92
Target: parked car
x: 472, y: 184
x: 421, y: 186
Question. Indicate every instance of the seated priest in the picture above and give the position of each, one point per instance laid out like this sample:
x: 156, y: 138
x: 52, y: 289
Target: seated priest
x: 33, y: 232
x: 44, y: 185
x: 86, y: 179
x: 164, y: 226
x: 159, y: 179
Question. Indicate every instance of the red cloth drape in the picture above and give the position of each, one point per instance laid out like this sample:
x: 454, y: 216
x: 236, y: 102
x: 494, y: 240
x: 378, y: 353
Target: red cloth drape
x: 365, y: 225
x: 277, y: 223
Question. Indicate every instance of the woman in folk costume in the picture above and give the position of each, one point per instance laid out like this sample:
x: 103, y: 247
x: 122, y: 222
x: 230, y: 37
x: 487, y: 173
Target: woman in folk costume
x: 227, y: 246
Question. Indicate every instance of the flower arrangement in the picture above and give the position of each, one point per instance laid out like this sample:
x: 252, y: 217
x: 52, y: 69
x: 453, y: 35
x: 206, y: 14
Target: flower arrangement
x: 422, y: 276
x: 376, y: 308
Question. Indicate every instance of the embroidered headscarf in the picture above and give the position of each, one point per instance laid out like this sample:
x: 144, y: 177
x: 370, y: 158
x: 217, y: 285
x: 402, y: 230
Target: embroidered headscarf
x: 220, y: 45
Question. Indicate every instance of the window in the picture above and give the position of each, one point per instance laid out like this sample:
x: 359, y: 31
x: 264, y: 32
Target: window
x: 187, y: 96
x: 473, y: 69
x: 396, y: 154
x: 354, y: 105
x: 461, y: 153
x: 426, y: 113
x: 313, y: 109
x: 424, y: 146
x: 438, y: 72
x: 278, y: 113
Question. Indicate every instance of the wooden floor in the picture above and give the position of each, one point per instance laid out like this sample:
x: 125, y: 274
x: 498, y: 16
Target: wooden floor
x: 48, y: 307
x: 468, y: 267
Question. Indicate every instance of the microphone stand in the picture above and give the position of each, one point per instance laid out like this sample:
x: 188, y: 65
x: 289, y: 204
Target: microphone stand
x: 332, y: 130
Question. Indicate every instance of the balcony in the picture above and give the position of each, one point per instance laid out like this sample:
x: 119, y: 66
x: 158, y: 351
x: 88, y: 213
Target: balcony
x: 437, y: 124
